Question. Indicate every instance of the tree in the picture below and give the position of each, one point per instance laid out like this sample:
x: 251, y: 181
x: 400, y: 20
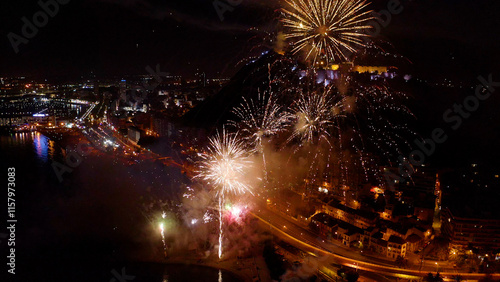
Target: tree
x: 429, y: 277
x: 349, y: 275
x: 472, y: 263
x: 433, y: 278
x: 401, y: 262
x: 352, y: 276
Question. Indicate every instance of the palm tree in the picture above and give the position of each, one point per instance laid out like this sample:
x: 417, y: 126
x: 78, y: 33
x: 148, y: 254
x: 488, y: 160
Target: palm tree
x: 401, y: 262
x: 429, y: 277
x: 432, y: 278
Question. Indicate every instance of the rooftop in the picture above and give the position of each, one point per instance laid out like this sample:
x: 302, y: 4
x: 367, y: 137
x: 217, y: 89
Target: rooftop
x: 325, y: 219
x: 413, y: 238
x: 396, y: 239
x: 364, y: 214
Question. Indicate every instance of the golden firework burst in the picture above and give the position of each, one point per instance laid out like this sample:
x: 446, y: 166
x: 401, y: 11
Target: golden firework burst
x: 326, y: 30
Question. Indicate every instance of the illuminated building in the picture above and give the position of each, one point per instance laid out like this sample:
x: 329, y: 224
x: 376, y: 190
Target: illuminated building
x: 324, y: 224
x: 328, y: 74
x: 358, y: 218
x: 134, y: 134
x: 463, y: 229
x: 396, y: 246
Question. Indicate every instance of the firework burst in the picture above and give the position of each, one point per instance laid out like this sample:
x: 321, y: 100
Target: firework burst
x: 225, y: 164
x: 260, y: 119
x: 326, y: 29
x: 314, y: 118
x: 224, y: 167
x: 315, y: 115
x: 340, y: 131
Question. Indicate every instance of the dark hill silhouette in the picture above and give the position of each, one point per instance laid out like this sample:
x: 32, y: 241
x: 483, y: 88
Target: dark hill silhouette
x: 247, y: 82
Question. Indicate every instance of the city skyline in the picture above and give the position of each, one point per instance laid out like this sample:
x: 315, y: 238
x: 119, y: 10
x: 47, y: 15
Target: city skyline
x: 232, y: 140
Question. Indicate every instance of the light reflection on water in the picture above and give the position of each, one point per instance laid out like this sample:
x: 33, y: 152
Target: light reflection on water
x: 41, y: 146
x: 44, y: 148
x: 36, y: 153
x: 182, y: 272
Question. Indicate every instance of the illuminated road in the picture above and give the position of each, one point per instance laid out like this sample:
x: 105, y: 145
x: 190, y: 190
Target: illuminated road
x: 328, y: 254
x: 141, y: 153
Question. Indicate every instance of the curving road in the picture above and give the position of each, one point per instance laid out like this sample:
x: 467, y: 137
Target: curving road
x: 328, y: 254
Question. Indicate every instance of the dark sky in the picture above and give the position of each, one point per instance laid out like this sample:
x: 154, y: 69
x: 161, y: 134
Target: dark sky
x: 123, y: 37
x: 455, y: 39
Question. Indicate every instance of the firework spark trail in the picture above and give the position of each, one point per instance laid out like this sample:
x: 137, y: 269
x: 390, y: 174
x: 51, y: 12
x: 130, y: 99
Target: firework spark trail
x: 224, y: 166
x: 162, y: 230
x: 331, y: 29
x: 359, y: 120
x: 379, y: 103
x: 221, y: 200
x: 370, y: 112
x: 315, y: 121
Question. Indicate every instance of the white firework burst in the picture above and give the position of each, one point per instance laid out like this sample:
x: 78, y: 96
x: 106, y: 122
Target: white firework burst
x: 260, y: 119
x: 314, y: 117
x: 225, y: 164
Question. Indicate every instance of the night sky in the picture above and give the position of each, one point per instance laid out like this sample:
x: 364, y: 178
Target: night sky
x: 78, y: 228
x: 452, y: 38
